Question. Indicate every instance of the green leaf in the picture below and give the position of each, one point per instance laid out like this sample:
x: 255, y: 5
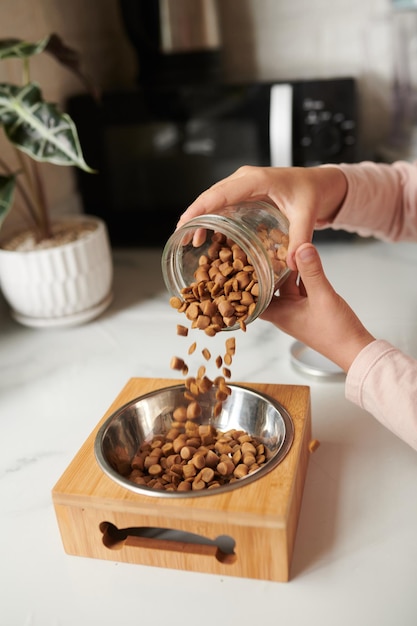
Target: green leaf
x: 39, y: 128
x: 7, y: 186
x: 53, y: 45
x: 18, y: 49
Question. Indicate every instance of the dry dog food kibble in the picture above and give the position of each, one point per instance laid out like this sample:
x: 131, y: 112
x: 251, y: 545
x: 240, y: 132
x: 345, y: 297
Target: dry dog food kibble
x: 197, y: 457
x: 225, y: 289
x: 193, y: 456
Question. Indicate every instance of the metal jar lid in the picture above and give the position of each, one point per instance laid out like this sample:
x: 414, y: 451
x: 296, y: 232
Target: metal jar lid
x: 308, y: 361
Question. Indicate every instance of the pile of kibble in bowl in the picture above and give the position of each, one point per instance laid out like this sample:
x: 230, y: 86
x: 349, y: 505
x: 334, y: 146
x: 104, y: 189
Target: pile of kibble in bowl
x: 194, y: 456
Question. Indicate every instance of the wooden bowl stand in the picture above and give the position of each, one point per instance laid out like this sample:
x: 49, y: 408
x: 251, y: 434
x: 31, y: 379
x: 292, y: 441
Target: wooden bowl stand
x: 100, y: 519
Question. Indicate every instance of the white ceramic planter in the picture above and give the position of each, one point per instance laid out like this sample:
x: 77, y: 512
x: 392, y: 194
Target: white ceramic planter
x: 64, y: 285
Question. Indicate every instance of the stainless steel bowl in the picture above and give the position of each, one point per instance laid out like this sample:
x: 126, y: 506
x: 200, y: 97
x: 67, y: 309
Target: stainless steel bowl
x: 141, y: 419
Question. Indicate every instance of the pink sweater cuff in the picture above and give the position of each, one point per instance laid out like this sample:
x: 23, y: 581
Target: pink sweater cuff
x: 382, y: 380
x: 380, y: 201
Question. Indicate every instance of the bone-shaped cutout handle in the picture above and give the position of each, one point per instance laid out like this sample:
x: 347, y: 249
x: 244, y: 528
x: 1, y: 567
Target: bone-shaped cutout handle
x: 115, y: 539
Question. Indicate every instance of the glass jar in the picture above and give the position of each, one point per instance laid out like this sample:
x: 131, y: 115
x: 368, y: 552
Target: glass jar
x: 258, y: 228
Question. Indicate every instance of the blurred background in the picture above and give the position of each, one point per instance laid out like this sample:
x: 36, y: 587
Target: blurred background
x: 372, y: 42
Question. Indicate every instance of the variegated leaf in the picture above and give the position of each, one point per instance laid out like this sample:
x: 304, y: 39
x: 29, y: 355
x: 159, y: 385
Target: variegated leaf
x: 16, y: 48
x: 39, y: 128
x: 7, y: 186
x: 53, y: 45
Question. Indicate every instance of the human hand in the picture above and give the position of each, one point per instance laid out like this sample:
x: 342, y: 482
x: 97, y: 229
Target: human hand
x: 310, y: 310
x: 305, y: 195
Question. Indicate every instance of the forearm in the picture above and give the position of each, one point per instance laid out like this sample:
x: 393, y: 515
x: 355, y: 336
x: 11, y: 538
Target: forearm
x: 331, y: 187
x: 380, y: 201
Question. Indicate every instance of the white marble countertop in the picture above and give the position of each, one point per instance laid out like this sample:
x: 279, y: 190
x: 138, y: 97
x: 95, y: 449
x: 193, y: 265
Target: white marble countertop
x: 355, y: 559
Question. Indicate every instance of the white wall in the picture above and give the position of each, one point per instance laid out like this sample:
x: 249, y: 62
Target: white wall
x: 263, y: 39
x: 290, y: 39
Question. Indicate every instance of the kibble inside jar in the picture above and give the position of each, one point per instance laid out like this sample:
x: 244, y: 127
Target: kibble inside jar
x: 229, y: 278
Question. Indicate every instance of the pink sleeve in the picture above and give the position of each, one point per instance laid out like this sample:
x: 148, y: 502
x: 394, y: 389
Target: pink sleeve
x: 381, y: 201
x: 383, y: 381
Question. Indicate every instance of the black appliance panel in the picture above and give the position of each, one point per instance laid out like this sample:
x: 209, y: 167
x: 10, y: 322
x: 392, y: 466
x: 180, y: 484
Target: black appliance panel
x: 156, y: 149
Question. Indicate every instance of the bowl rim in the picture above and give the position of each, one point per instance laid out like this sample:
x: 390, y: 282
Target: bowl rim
x: 122, y: 481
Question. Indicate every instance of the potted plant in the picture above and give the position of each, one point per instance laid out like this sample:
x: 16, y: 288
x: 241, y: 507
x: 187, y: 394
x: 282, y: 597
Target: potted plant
x: 55, y: 272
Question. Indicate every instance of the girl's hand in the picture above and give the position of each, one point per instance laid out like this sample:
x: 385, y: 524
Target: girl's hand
x: 311, y: 311
x: 305, y: 195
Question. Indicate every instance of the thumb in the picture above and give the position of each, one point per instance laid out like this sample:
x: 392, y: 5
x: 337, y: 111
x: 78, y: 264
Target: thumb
x: 310, y: 268
x: 300, y: 231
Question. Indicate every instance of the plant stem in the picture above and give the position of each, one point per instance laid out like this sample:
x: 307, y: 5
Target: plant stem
x: 30, y: 208
x: 26, y: 71
x: 37, y: 199
x: 44, y: 221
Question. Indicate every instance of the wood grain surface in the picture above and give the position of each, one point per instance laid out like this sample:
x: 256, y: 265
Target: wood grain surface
x: 261, y: 517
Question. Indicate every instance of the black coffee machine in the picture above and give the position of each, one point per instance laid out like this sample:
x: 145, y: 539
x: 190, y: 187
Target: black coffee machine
x: 177, y: 42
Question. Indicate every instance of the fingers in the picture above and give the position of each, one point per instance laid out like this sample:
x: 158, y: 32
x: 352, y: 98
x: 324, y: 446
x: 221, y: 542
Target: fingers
x: 311, y: 271
x: 300, y: 232
x: 237, y: 187
x: 291, y: 286
x: 274, y: 185
x: 290, y: 189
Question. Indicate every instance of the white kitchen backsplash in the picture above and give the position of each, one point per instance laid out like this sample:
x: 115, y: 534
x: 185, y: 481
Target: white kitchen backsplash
x: 290, y: 39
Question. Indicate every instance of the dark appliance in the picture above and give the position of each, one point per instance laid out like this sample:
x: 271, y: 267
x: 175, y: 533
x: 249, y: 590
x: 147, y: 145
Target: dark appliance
x: 157, y: 149
x: 176, y: 41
